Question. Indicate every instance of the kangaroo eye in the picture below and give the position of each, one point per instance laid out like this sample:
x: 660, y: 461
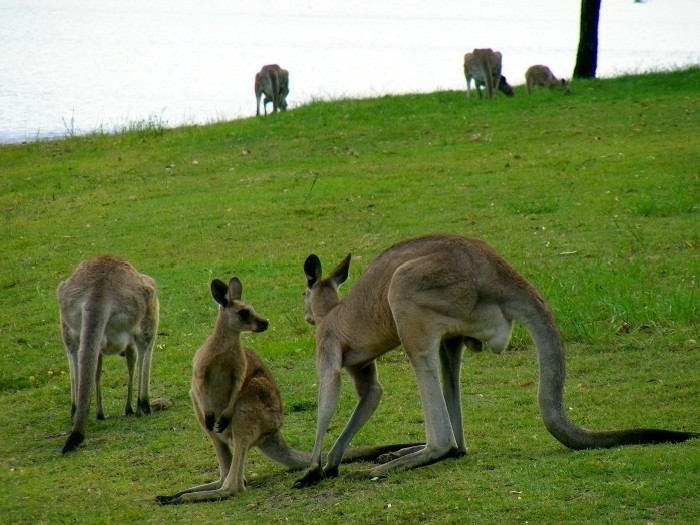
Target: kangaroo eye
x: 244, y: 314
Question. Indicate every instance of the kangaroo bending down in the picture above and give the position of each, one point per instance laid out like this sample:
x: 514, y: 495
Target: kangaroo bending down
x: 237, y: 402
x: 484, y: 66
x: 107, y: 308
x: 435, y: 296
x: 542, y: 76
x: 273, y: 82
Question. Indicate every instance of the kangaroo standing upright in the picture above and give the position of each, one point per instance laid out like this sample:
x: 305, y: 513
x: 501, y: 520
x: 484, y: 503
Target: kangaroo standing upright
x: 237, y: 402
x: 107, y: 308
x: 435, y: 296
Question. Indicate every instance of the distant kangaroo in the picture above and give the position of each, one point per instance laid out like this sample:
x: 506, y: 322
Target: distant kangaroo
x: 107, y: 308
x: 542, y: 76
x: 484, y: 67
x: 238, y: 403
x: 273, y: 82
x: 434, y: 295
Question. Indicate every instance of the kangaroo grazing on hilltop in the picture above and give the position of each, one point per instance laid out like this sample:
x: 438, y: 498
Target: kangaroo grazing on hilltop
x: 107, y: 308
x: 435, y: 296
x: 273, y: 82
x: 484, y: 66
x: 237, y: 402
x: 542, y: 76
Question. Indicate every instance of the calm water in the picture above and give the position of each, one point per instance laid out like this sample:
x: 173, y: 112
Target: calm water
x: 77, y: 66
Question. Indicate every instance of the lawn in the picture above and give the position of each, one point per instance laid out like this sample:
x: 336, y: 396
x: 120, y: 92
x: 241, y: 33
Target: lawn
x: 593, y: 195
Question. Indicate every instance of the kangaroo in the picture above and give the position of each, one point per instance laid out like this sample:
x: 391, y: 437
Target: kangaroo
x: 434, y: 295
x: 237, y: 402
x: 106, y: 308
x: 273, y: 82
x: 542, y: 76
x: 484, y: 66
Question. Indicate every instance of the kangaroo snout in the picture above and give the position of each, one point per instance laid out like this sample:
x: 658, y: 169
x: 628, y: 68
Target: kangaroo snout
x: 261, y: 325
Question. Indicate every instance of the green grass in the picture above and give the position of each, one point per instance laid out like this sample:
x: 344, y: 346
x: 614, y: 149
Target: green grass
x: 594, y: 196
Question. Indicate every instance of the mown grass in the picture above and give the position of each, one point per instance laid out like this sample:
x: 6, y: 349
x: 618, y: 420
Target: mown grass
x: 594, y: 196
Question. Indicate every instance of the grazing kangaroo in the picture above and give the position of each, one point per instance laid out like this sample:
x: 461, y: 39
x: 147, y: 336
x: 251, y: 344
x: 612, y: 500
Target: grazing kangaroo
x: 542, y: 76
x: 107, y: 308
x: 238, y: 403
x: 484, y: 66
x: 273, y: 82
x: 435, y: 296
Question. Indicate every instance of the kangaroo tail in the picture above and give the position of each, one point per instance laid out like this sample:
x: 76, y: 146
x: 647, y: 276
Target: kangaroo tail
x: 550, y: 395
x: 93, y: 324
x: 373, y: 453
x: 277, y: 449
x: 275, y: 87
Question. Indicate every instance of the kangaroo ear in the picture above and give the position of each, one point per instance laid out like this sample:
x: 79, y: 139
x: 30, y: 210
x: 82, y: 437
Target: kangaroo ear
x: 219, y: 291
x: 235, y: 289
x: 340, y: 274
x: 312, y: 269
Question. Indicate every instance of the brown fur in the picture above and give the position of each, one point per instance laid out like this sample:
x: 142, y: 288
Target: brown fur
x: 273, y: 82
x: 237, y: 402
x: 542, y: 76
x: 107, y: 308
x: 434, y: 295
x: 484, y: 67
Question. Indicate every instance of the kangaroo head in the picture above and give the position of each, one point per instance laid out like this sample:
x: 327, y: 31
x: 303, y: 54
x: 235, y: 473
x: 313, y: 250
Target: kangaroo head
x: 505, y: 87
x: 238, y: 316
x: 321, y: 294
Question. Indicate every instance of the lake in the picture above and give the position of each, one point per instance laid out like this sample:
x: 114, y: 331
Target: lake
x: 76, y: 66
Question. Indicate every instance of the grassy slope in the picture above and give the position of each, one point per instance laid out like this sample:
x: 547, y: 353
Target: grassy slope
x: 593, y: 196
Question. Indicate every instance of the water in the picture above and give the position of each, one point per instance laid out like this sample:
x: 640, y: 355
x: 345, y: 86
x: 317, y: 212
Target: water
x: 76, y: 66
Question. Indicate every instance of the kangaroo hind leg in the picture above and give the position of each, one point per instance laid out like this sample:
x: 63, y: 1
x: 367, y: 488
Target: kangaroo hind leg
x: 451, y: 352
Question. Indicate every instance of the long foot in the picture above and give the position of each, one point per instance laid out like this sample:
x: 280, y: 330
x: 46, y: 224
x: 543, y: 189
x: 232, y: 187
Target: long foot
x: 74, y: 439
x: 168, y: 500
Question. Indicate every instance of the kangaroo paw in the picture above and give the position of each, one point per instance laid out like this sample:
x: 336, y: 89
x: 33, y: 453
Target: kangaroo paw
x: 143, y: 407
x: 309, y: 479
x: 209, y: 421
x: 221, y: 424
x: 330, y: 472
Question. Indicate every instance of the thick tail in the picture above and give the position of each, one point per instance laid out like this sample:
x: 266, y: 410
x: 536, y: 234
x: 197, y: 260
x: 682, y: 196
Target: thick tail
x: 373, y: 453
x: 277, y: 449
x: 550, y: 396
x: 93, y: 325
x: 275, y: 87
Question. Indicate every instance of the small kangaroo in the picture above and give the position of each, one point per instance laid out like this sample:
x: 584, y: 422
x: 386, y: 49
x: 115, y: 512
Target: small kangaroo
x: 542, y: 76
x: 273, y: 82
x: 237, y: 402
x: 434, y: 295
x: 106, y: 308
x: 484, y: 67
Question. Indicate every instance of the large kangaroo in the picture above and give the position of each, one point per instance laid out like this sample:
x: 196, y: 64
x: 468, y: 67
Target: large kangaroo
x: 107, y: 308
x: 434, y: 295
x: 484, y: 66
x: 542, y: 76
x: 273, y: 82
x: 237, y: 402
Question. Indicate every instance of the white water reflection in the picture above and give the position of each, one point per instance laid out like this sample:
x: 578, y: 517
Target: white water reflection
x: 75, y: 66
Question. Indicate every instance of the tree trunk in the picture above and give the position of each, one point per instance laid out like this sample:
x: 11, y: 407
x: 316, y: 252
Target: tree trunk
x: 587, y: 56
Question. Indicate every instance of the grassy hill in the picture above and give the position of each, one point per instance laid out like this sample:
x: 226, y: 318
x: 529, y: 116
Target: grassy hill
x: 593, y: 195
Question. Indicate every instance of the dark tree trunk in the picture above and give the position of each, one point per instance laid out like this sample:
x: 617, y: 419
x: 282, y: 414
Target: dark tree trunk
x: 587, y: 56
